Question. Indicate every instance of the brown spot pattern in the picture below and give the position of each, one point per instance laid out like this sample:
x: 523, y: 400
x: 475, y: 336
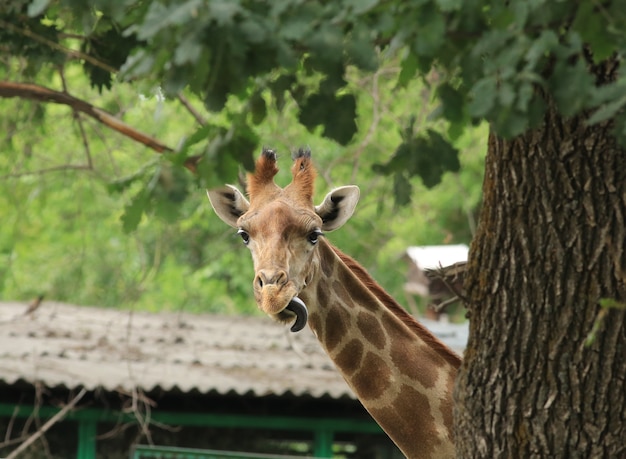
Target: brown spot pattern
x: 316, y: 325
x: 372, y: 330
x: 328, y: 267
x: 422, y: 370
x: 322, y: 295
x: 336, y: 328
x: 447, y: 411
x: 343, y: 294
x: 409, y: 410
x: 356, y: 290
x: 349, y: 358
x: 373, y: 379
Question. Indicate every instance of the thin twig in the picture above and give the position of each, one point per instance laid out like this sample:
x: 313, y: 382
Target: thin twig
x: 64, y: 167
x: 449, y: 273
x: 67, y: 51
x: 439, y: 307
x: 191, y: 109
x: 7, y: 434
x: 79, y: 121
x: 43, y: 94
x: 53, y: 420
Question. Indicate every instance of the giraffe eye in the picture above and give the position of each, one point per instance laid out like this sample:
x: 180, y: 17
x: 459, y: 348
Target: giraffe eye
x: 245, y: 237
x: 314, y: 236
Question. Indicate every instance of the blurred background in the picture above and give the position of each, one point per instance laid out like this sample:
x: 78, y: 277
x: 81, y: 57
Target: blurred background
x: 75, y: 226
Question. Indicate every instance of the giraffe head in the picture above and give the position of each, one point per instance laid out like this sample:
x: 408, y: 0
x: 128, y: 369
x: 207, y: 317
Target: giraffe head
x: 281, y: 227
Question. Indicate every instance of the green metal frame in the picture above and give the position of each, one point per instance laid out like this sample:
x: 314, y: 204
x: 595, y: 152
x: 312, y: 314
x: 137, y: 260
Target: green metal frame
x: 323, y: 429
x: 166, y: 452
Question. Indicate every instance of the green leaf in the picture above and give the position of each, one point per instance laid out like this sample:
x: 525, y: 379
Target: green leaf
x: 360, y: 48
x: 593, y: 28
x: 428, y: 156
x: 279, y: 86
x: 122, y: 184
x: 189, y: 50
x: 541, y: 48
x: 509, y: 123
x: 327, y: 41
x: 607, y: 111
x: 452, y: 101
x: 506, y: 94
x: 482, y: 97
x: 402, y: 189
x: 341, y: 126
x: 224, y: 11
x: 159, y: 17
x: 449, y: 5
x: 258, y: 108
x: 431, y: 33
x: 408, y: 67
x: 199, y: 135
x: 253, y: 31
x: 361, y: 6
x: 134, y: 210
x: 571, y: 85
x: 37, y: 7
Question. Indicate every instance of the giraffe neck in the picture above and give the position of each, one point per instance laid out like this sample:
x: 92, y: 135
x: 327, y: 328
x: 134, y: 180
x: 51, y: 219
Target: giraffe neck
x: 401, y: 373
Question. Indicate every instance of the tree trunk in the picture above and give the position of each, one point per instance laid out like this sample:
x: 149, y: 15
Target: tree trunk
x: 549, y: 248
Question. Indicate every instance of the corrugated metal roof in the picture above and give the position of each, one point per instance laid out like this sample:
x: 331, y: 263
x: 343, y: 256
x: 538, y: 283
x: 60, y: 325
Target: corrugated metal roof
x: 434, y: 256
x: 72, y: 346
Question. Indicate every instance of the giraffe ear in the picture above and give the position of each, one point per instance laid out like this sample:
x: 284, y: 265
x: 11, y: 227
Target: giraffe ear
x: 337, y: 207
x: 229, y: 204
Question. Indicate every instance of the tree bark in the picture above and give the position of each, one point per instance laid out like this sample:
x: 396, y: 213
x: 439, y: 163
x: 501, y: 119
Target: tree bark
x: 549, y: 247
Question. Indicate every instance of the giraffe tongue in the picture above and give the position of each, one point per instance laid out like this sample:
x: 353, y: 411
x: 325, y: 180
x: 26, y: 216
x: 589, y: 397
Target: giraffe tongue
x: 297, y: 306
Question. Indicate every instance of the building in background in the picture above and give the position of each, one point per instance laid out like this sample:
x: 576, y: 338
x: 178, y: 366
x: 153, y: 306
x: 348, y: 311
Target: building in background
x: 432, y: 289
x: 173, y: 379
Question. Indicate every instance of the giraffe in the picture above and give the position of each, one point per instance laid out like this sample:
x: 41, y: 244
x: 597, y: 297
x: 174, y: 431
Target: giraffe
x: 399, y: 371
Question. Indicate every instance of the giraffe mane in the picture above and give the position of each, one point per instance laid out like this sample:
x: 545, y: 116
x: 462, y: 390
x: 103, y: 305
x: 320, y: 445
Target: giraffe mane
x: 398, y: 310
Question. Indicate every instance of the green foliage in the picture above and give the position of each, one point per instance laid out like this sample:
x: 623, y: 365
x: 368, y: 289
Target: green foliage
x: 377, y: 89
x: 428, y: 155
x: 488, y: 61
x: 137, y: 230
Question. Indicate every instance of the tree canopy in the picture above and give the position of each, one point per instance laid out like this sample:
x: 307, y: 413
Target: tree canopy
x: 179, y: 258
x: 482, y: 60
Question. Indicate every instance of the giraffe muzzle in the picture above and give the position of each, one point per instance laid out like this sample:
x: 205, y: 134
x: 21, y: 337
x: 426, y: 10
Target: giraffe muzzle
x: 297, y: 306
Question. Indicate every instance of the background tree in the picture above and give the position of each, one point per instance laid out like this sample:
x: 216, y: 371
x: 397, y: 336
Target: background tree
x: 542, y: 376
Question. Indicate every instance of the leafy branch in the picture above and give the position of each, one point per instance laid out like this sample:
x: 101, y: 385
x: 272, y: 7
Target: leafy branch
x: 42, y: 94
x: 57, y: 47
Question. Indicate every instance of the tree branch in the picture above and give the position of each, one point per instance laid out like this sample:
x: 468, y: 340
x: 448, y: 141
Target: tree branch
x: 67, y: 51
x: 42, y: 94
x: 190, y: 108
x: 79, y: 121
x: 53, y: 420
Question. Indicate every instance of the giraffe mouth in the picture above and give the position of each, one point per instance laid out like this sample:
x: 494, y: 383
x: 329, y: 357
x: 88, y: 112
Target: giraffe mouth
x: 297, y: 306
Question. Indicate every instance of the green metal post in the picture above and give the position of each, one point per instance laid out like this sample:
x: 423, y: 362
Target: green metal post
x: 86, y: 439
x: 323, y: 443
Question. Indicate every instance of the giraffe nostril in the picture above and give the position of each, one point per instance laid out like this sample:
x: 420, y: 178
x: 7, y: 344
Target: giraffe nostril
x: 264, y: 278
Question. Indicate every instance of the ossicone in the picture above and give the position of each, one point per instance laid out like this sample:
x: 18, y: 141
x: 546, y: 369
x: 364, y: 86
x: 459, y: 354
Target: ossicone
x: 264, y: 171
x: 303, y: 172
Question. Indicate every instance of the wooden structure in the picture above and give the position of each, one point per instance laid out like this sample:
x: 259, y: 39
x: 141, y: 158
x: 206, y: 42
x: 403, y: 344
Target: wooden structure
x: 432, y: 289
x: 196, y: 381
